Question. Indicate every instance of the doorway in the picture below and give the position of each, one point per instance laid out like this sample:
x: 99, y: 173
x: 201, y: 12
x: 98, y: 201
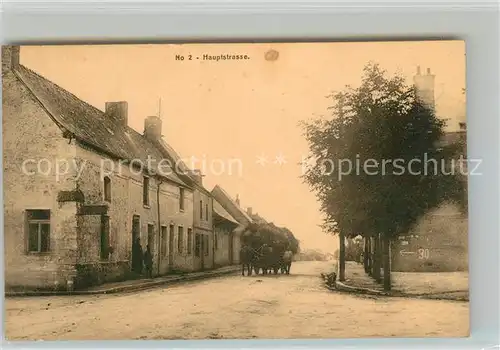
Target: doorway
x: 136, y: 234
x: 171, y: 247
x: 230, y: 253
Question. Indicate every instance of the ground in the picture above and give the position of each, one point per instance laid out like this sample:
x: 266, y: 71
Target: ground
x: 229, y: 307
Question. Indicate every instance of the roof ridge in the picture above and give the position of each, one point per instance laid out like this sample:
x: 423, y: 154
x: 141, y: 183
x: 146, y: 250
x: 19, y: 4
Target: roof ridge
x: 61, y: 88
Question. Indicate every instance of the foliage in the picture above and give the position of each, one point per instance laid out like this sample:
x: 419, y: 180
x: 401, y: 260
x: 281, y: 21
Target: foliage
x: 257, y: 234
x: 311, y: 255
x: 380, y: 129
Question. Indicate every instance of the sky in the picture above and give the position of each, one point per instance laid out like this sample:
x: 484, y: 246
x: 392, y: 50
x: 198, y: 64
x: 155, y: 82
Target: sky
x: 230, y: 115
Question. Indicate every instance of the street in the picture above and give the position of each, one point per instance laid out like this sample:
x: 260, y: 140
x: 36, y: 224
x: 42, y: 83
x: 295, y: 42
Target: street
x: 293, y: 306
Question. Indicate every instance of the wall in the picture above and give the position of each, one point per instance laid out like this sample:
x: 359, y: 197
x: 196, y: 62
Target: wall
x: 127, y: 201
x: 237, y: 243
x: 222, y: 234
x: 29, y: 133
x: 441, y: 245
x: 203, y: 225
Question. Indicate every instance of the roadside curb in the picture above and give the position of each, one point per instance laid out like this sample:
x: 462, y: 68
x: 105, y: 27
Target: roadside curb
x: 342, y: 287
x: 128, y: 288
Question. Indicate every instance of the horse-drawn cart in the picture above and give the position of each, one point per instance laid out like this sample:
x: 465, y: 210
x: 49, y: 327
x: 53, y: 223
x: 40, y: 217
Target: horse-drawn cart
x: 267, y: 248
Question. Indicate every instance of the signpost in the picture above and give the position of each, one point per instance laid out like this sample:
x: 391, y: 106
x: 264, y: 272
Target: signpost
x: 423, y: 254
x: 404, y: 252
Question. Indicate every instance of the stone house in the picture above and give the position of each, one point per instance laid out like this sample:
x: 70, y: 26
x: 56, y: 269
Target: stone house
x: 224, y: 225
x: 232, y: 207
x: 79, y: 187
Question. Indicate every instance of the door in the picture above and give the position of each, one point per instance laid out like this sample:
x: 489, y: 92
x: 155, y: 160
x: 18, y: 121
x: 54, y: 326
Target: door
x: 230, y: 248
x: 136, y: 233
x: 171, y: 247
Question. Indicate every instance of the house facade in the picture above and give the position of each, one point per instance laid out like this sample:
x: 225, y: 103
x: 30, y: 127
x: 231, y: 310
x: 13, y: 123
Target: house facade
x: 78, y: 188
x: 203, y: 225
x: 224, y: 225
x: 232, y: 207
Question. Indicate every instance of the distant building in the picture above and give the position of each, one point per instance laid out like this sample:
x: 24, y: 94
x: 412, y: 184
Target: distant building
x: 224, y: 225
x: 424, y: 87
x: 232, y: 207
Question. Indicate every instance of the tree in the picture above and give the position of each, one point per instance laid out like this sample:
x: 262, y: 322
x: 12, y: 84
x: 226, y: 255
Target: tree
x: 388, y: 139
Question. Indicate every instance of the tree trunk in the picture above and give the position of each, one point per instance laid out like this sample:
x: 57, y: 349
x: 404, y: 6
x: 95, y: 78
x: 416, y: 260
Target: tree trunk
x: 376, y: 259
x: 341, y: 257
x: 387, y: 263
x: 366, y: 255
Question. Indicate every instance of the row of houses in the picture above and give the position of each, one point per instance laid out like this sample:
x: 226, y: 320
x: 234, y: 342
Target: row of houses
x: 79, y: 190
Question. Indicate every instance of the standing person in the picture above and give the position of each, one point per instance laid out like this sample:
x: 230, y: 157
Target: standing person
x: 137, y: 256
x: 148, y: 262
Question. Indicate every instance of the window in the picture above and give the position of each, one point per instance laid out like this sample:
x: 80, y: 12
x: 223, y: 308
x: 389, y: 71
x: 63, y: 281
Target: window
x: 105, y: 237
x: 164, y: 240
x: 216, y: 241
x: 205, y: 244
x: 107, y: 189
x: 180, y: 238
x: 181, y: 199
x: 145, y: 191
x: 38, y: 230
x: 201, y: 210
x: 190, y: 241
x: 197, y: 245
x: 206, y: 212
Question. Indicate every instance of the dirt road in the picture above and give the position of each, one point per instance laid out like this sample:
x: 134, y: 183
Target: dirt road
x: 293, y: 306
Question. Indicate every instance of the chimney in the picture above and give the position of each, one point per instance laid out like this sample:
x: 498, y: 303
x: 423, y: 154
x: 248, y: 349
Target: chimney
x: 428, y: 71
x: 238, y: 200
x: 118, y: 111
x: 10, y: 57
x: 249, y: 211
x: 197, y: 176
x: 152, y: 128
x: 418, y: 70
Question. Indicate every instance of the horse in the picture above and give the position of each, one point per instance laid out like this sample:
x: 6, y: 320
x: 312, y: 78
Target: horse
x: 246, y: 258
x: 262, y: 258
x: 287, y: 262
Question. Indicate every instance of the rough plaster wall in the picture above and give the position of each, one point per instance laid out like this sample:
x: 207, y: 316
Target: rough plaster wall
x: 236, y: 248
x: 444, y: 232
x: 29, y: 133
x: 170, y: 213
x: 222, y: 251
x: 127, y: 201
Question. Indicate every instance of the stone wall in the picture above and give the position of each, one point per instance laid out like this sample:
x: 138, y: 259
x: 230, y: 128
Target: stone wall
x: 439, y: 242
x: 32, y: 138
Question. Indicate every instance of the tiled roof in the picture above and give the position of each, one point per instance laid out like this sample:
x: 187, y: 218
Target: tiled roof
x: 91, y: 125
x: 219, y: 210
x: 183, y: 171
x: 227, y: 198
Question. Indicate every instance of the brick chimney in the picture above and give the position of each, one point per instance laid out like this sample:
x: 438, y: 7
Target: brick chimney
x: 10, y: 57
x: 238, y: 199
x: 249, y: 211
x: 152, y: 128
x: 118, y: 111
x: 424, y: 88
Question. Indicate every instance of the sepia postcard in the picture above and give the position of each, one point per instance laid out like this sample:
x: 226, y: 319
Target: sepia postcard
x: 235, y: 191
